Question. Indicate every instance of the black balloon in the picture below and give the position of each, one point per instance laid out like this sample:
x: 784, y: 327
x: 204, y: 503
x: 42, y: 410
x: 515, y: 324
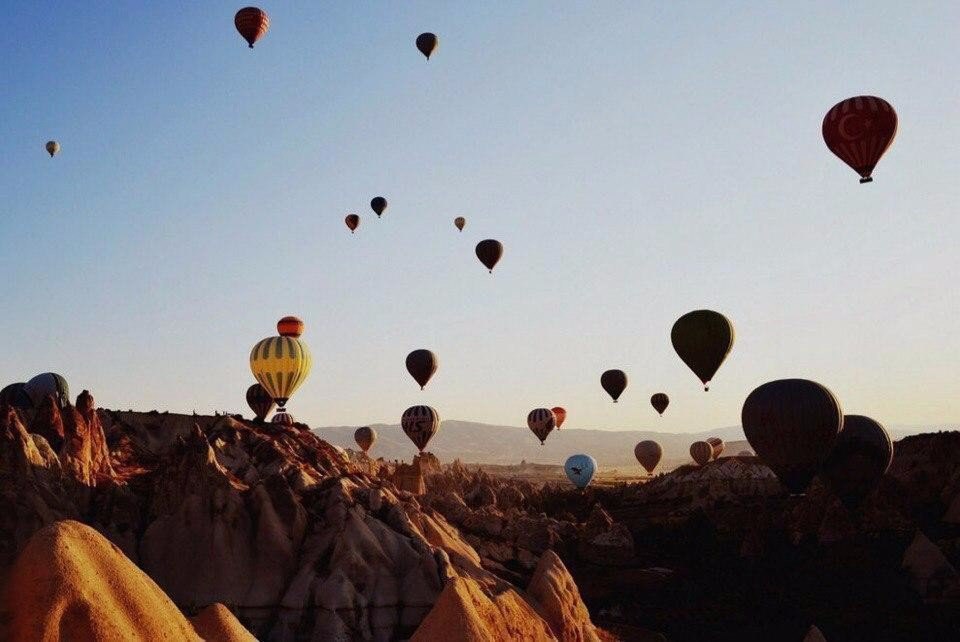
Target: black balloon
x: 260, y: 401
x: 792, y: 424
x: 859, y: 459
x: 614, y: 382
x: 421, y: 364
x: 489, y: 252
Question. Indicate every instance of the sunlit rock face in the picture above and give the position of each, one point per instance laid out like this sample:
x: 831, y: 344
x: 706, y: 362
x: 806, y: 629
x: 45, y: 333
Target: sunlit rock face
x: 299, y: 538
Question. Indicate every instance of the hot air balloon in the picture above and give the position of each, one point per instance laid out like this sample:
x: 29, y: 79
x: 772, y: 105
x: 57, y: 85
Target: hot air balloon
x: 420, y: 423
x: 648, y: 453
x: 660, y: 401
x: 541, y: 422
x: 717, y: 444
x: 14, y: 395
x: 260, y: 401
x: 792, y: 424
x: 280, y: 364
x: 560, y: 414
x: 489, y: 252
x: 614, y: 382
x: 580, y: 470
x: 427, y: 43
x: 252, y: 23
x: 745, y: 453
x: 421, y: 364
x: 52, y: 147
x: 860, y: 457
x: 378, y: 204
x: 48, y: 383
x: 283, y: 418
x: 859, y: 130
x: 352, y: 221
x: 460, y: 222
x: 701, y: 452
x: 290, y: 327
x: 365, y: 437
x: 703, y: 339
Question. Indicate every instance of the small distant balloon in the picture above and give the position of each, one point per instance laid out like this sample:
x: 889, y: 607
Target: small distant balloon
x: 260, y: 401
x: 252, y: 23
x: 859, y: 459
x: 660, y: 401
x: 561, y: 415
x: 717, y: 444
x: 792, y: 425
x: 290, y: 326
x: 541, y: 422
x: 460, y: 222
x: 614, y: 382
x: 489, y: 252
x: 352, y: 221
x: 703, y: 339
x: 701, y: 452
x: 422, y: 364
x: 283, y: 418
x: 53, y: 148
x: 580, y: 470
x: 48, y: 384
x: 365, y: 437
x: 378, y: 204
x: 427, y: 43
x: 648, y: 453
x: 859, y: 131
x: 420, y: 423
x: 16, y: 396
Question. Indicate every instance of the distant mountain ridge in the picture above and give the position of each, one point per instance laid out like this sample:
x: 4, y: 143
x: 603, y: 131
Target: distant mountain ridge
x: 478, y: 443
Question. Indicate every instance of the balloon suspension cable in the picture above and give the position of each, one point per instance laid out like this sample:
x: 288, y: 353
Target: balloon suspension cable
x: 866, y: 179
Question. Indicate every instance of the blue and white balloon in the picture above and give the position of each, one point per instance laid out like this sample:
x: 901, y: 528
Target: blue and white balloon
x: 580, y: 470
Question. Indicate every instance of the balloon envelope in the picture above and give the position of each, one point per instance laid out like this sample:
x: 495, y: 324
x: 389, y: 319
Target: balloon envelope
x: 648, y: 453
x: 260, y: 401
x: 421, y: 364
x: 701, y: 452
x: 16, y: 396
x: 378, y: 204
x: 52, y: 147
x: 580, y: 469
x: 48, y: 384
x: 280, y: 365
x: 489, y: 252
x: 427, y: 43
x: 792, y: 424
x: 283, y: 418
x: 352, y: 221
x: 660, y: 401
x: 365, y: 437
x: 541, y: 422
x: 560, y: 414
x: 460, y: 222
x: 420, y: 423
x: 860, y: 457
x: 614, y: 382
x: 703, y: 339
x: 290, y: 326
x: 252, y: 23
x: 859, y: 131
x: 717, y: 444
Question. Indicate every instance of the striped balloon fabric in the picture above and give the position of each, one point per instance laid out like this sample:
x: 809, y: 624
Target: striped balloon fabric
x: 252, y: 23
x: 283, y: 418
x: 541, y: 422
x: 859, y: 130
x: 280, y: 365
x: 420, y: 423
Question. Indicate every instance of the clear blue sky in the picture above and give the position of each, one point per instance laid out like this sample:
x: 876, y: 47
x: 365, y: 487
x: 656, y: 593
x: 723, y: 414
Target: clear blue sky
x: 637, y: 161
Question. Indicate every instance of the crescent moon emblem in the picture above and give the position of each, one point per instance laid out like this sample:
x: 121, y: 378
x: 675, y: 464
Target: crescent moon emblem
x: 842, y: 127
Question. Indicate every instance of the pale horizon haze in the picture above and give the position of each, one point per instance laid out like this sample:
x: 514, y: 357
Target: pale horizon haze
x: 637, y: 160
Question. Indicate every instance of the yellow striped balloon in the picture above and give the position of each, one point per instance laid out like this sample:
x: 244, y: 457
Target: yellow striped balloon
x: 280, y: 365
